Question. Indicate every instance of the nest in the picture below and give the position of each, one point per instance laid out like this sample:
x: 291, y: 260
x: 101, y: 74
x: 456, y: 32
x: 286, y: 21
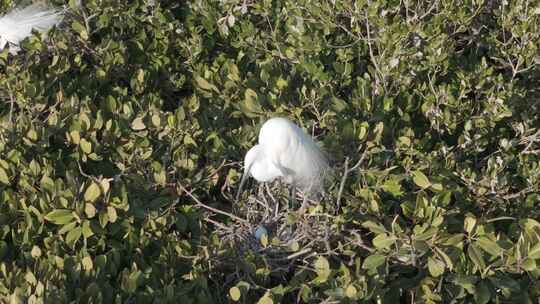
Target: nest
x: 271, y: 226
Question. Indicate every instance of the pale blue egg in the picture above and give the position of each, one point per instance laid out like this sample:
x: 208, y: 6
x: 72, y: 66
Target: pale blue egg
x: 260, y: 231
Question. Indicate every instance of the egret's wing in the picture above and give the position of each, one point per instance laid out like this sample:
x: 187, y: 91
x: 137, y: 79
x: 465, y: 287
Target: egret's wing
x: 16, y: 25
x: 294, y: 152
x: 309, y: 160
x: 286, y: 173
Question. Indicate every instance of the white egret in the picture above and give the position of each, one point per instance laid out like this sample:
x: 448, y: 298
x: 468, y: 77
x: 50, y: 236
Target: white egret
x: 285, y: 151
x: 16, y: 25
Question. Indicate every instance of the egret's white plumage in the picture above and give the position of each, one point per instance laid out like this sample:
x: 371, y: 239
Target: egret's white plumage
x: 285, y: 151
x: 16, y: 25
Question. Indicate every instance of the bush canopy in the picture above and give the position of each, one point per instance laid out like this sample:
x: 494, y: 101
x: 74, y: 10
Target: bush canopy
x: 122, y: 133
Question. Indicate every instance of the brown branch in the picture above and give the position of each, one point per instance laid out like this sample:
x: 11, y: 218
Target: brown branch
x: 200, y: 204
x: 346, y: 173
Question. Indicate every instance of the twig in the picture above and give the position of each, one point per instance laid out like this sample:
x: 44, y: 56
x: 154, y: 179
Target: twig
x: 360, y: 243
x: 200, y: 204
x: 517, y: 194
x: 217, y: 224
x: 296, y: 254
x: 435, y: 3
x: 12, y: 102
x: 342, y: 184
x: 346, y: 174
x: 373, y: 60
x: 535, y: 152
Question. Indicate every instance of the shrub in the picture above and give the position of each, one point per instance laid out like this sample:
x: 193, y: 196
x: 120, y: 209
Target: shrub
x: 129, y: 118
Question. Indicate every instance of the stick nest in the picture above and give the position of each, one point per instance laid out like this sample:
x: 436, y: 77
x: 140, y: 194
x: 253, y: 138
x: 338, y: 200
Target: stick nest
x: 292, y: 236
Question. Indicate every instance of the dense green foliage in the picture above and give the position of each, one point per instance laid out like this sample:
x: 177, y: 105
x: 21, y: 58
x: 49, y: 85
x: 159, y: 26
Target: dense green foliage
x: 115, y: 125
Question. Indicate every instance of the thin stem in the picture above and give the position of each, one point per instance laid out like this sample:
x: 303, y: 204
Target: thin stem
x: 201, y: 204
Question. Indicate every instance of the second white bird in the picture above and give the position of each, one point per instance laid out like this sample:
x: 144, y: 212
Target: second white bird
x: 16, y: 25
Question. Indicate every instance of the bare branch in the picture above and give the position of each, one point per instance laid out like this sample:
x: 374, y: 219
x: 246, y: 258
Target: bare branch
x: 346, y: 173
x: 201, y: 204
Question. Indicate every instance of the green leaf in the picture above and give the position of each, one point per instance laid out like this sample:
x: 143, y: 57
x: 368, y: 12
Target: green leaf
x: 111, y: 213
x: 476, y: 256
x: 73, y: 236
x: 133, y: 281
x: 85, y: 121
x: 34, y: 167
x: 78, y: 27
x: 534, y: 252
x: 294, y: 246
x: 30, y: 278
x: 482, y: 293
x: 205, y: 85
x: 489, y: 246
x: 469, y: 224
x: 420, y: 179
x: 86, y: 146
x: 374, y: 227
x: 251, y: 105
x: 87, y: 263
x: 140, y: 75
x: 100, y: 261
x: 393, y: 187
x: 351, y: 292
x: 36, y: 252
x: 322, y: 268
x: 265, y: 299
x: 373, y: 261
x: 103, y: 218
x: 338, y: 105
x: 281, y: 83
x: 156, y: 120
x: 160, y: 177
x: 455, y: 240
x: 86, y: 229
x: 235, y: 293
x: 437, y: 187
x: 47, y: 183
x: 105, y: 185
x: 3, y: 176
x: 32, y: 135
x: 137, y: 124
x: 529, y: 264
x: 467, y: 282
x: 75, y: 137
x: 89, y: 210
x: 60, y: 216
x: 100, y: 73
x: 383, y: 241
x: 435, y: 266
x: 92, y: 192
x: 445, y: 257
x: 67, y: 227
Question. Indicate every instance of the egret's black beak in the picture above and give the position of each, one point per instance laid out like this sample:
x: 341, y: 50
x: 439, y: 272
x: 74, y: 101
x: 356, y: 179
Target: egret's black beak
x: 242, y: 182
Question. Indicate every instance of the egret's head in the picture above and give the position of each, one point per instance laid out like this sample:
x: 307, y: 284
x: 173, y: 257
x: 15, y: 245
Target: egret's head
x: 249, y: 160
x: 259, y: 166
x: 251, y: 157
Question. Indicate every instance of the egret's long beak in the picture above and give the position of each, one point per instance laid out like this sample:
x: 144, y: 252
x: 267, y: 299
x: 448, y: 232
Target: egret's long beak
x: 242, y: 182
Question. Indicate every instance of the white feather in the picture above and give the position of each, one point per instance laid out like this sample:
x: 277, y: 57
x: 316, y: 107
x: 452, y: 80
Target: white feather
x: 16, y: 25
x: 285, y: 151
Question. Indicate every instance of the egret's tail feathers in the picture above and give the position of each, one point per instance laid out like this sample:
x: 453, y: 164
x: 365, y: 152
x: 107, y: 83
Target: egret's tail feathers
x: 16, y: 25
